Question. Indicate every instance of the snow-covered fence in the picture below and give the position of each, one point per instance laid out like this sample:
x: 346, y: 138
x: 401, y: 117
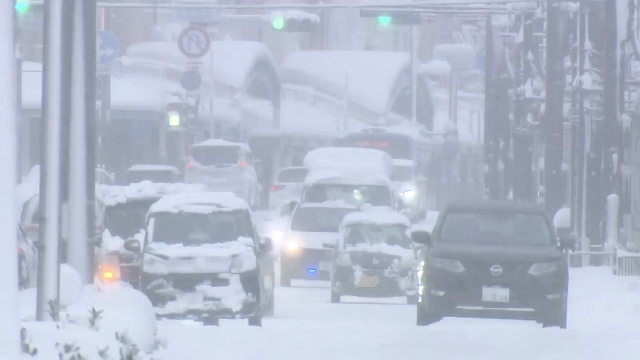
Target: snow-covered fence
x: 622, y: 263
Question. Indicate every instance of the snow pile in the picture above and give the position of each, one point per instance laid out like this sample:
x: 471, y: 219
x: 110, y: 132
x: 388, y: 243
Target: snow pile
x: 29, y: 187
x: 111, y: 195
x: 435, y: 69
x: 121, y: 309
x: 376, y: 215
x: 201, y: 202
x: 562, y: 219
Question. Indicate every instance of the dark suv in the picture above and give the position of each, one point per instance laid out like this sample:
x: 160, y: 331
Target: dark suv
x: 491, y: 259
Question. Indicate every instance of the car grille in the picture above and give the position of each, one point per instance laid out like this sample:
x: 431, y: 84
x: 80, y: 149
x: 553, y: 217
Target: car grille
x: 373, y: 261
x: 188, y: 282
x: 480, y: 271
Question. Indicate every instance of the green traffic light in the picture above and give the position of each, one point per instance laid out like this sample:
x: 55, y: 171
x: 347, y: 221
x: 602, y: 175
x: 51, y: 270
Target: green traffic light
x: 22, y: 6
x: 384, y: 20
x: 278, y: 23
x: 174, y: 118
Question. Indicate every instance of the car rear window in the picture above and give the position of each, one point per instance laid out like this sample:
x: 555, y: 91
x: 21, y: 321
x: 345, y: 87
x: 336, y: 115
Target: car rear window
x: 292, y: 175
x: 216, y: 155
x: 495, y: 228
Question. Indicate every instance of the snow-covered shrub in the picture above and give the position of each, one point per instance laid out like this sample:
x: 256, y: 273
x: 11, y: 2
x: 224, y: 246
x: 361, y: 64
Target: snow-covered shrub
x: 128, y: 350
x: 94, y: 318
x: 25, y: 344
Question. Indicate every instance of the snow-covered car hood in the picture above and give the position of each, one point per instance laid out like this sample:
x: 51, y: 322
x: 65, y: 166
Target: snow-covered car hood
x: 233, y: 256
x: 403, y: 258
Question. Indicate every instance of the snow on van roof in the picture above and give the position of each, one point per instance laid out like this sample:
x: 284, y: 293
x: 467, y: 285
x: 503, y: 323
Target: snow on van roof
x: 377, y: 216
x: 219, y: 142
x: 111, y: 195
x: 348, y: 158
x: 370, y: 77
x: 338, y: 204
x: 202, y: 202
x: 232, y: 64
x: 346, y: 177
x: 148, y: 167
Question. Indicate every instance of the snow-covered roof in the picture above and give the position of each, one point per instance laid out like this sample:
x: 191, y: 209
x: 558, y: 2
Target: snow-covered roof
x: 377, y: 216
x: 220, y: 142
x: 132, y: 92
x: 147, y: 167
x: 369, y: 77
x: 233, y: 61
x: 349, y: 159
x: 111, y: 195
x: 201, y: 202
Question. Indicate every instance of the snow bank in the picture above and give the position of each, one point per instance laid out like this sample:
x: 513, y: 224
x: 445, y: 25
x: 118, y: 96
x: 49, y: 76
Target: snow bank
x: 123, y: 310
x: 206, y: 201
x: 111, y: 195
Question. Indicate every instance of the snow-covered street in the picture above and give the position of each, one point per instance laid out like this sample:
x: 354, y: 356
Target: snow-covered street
x: 308, y: 326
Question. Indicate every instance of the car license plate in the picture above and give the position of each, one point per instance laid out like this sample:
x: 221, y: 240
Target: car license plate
x: 495, y: 294
x: 368, y: 281
x: 325, y: 265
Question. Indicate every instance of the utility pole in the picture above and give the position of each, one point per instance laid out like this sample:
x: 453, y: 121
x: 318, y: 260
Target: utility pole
x: 22, y: 164
x: 90, y: 61
x: 50, y: 161
x: 491, y: 146
x: 552, y: 126
x: 9, y: 309
x: 77, y: 244
x: 610, y: 125
x: 581, y: 138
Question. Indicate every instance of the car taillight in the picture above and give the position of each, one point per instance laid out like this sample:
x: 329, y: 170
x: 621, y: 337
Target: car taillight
x: 242, y: 165
x: 277, y: 187
x: 189, y: 165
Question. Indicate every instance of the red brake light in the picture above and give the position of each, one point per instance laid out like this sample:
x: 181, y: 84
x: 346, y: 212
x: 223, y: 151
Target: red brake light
x: 273, y: 188
x: 242, y: 165
x: 189, y: 165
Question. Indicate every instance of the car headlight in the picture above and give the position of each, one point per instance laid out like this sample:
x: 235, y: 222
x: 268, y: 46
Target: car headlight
x: 292, y: 245
x: 236, y: 265
x: 449, y: 265
x: 543, y: 268
x: 276, y: 235
x: 409, y: 194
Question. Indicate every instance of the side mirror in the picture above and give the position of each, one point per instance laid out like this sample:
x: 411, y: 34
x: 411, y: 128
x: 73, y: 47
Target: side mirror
x: 265, y: 245
x: 292, y: 206
x: 567, y: 243
x: 421, y: 237
x: 329, y: 246
x: 132, y: 245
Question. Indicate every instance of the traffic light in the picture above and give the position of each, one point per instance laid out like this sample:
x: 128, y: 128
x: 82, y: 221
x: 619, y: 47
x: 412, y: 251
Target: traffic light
x: 392, y: 18
x: 384, y: 20
x: 173, y: 117
x: 294, y: 21
x: 22, y: 6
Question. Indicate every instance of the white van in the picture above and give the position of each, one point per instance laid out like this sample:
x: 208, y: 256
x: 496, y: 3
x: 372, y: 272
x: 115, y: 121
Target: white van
x: 224, y: 166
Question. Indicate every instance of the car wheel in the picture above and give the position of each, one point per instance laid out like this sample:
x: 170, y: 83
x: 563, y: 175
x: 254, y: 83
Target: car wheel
x: 335, y: 297
x: 424, y: 316
x: 211, y: 321
x: 255, y: 320
x: 556, y: 316
x: 23, y: 273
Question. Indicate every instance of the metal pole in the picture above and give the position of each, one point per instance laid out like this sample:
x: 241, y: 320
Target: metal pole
x: 610, y: 126
x: 9, y: 309
x: 490, y: 132
x: 415, y: 38
x: 212, y: 123
x: 105, y: 96
x: 583, y: 141
x: 50, y: 167
x: 89, y: 11
x: 23, y: 144
x: 554, y: 115
x: 77, y: 245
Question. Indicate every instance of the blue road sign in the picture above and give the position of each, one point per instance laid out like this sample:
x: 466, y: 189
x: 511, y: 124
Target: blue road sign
x: 191, y: 80
x: 108, y: 47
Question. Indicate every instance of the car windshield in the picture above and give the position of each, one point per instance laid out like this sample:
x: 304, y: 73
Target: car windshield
x: 352, y: 194
x: 495, y: 227
x: 402, y: 173
x: 156, y: 176
x: 215, y: 155
x: 201, y: 228
x: 293, y: 175
x: 127, y: 219
x: 318, y: 219
x: 374, y: 234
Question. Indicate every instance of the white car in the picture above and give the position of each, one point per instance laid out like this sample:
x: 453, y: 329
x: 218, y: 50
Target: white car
x: 287, y: 187
x: 410, y: 187
x: 224, y: 166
